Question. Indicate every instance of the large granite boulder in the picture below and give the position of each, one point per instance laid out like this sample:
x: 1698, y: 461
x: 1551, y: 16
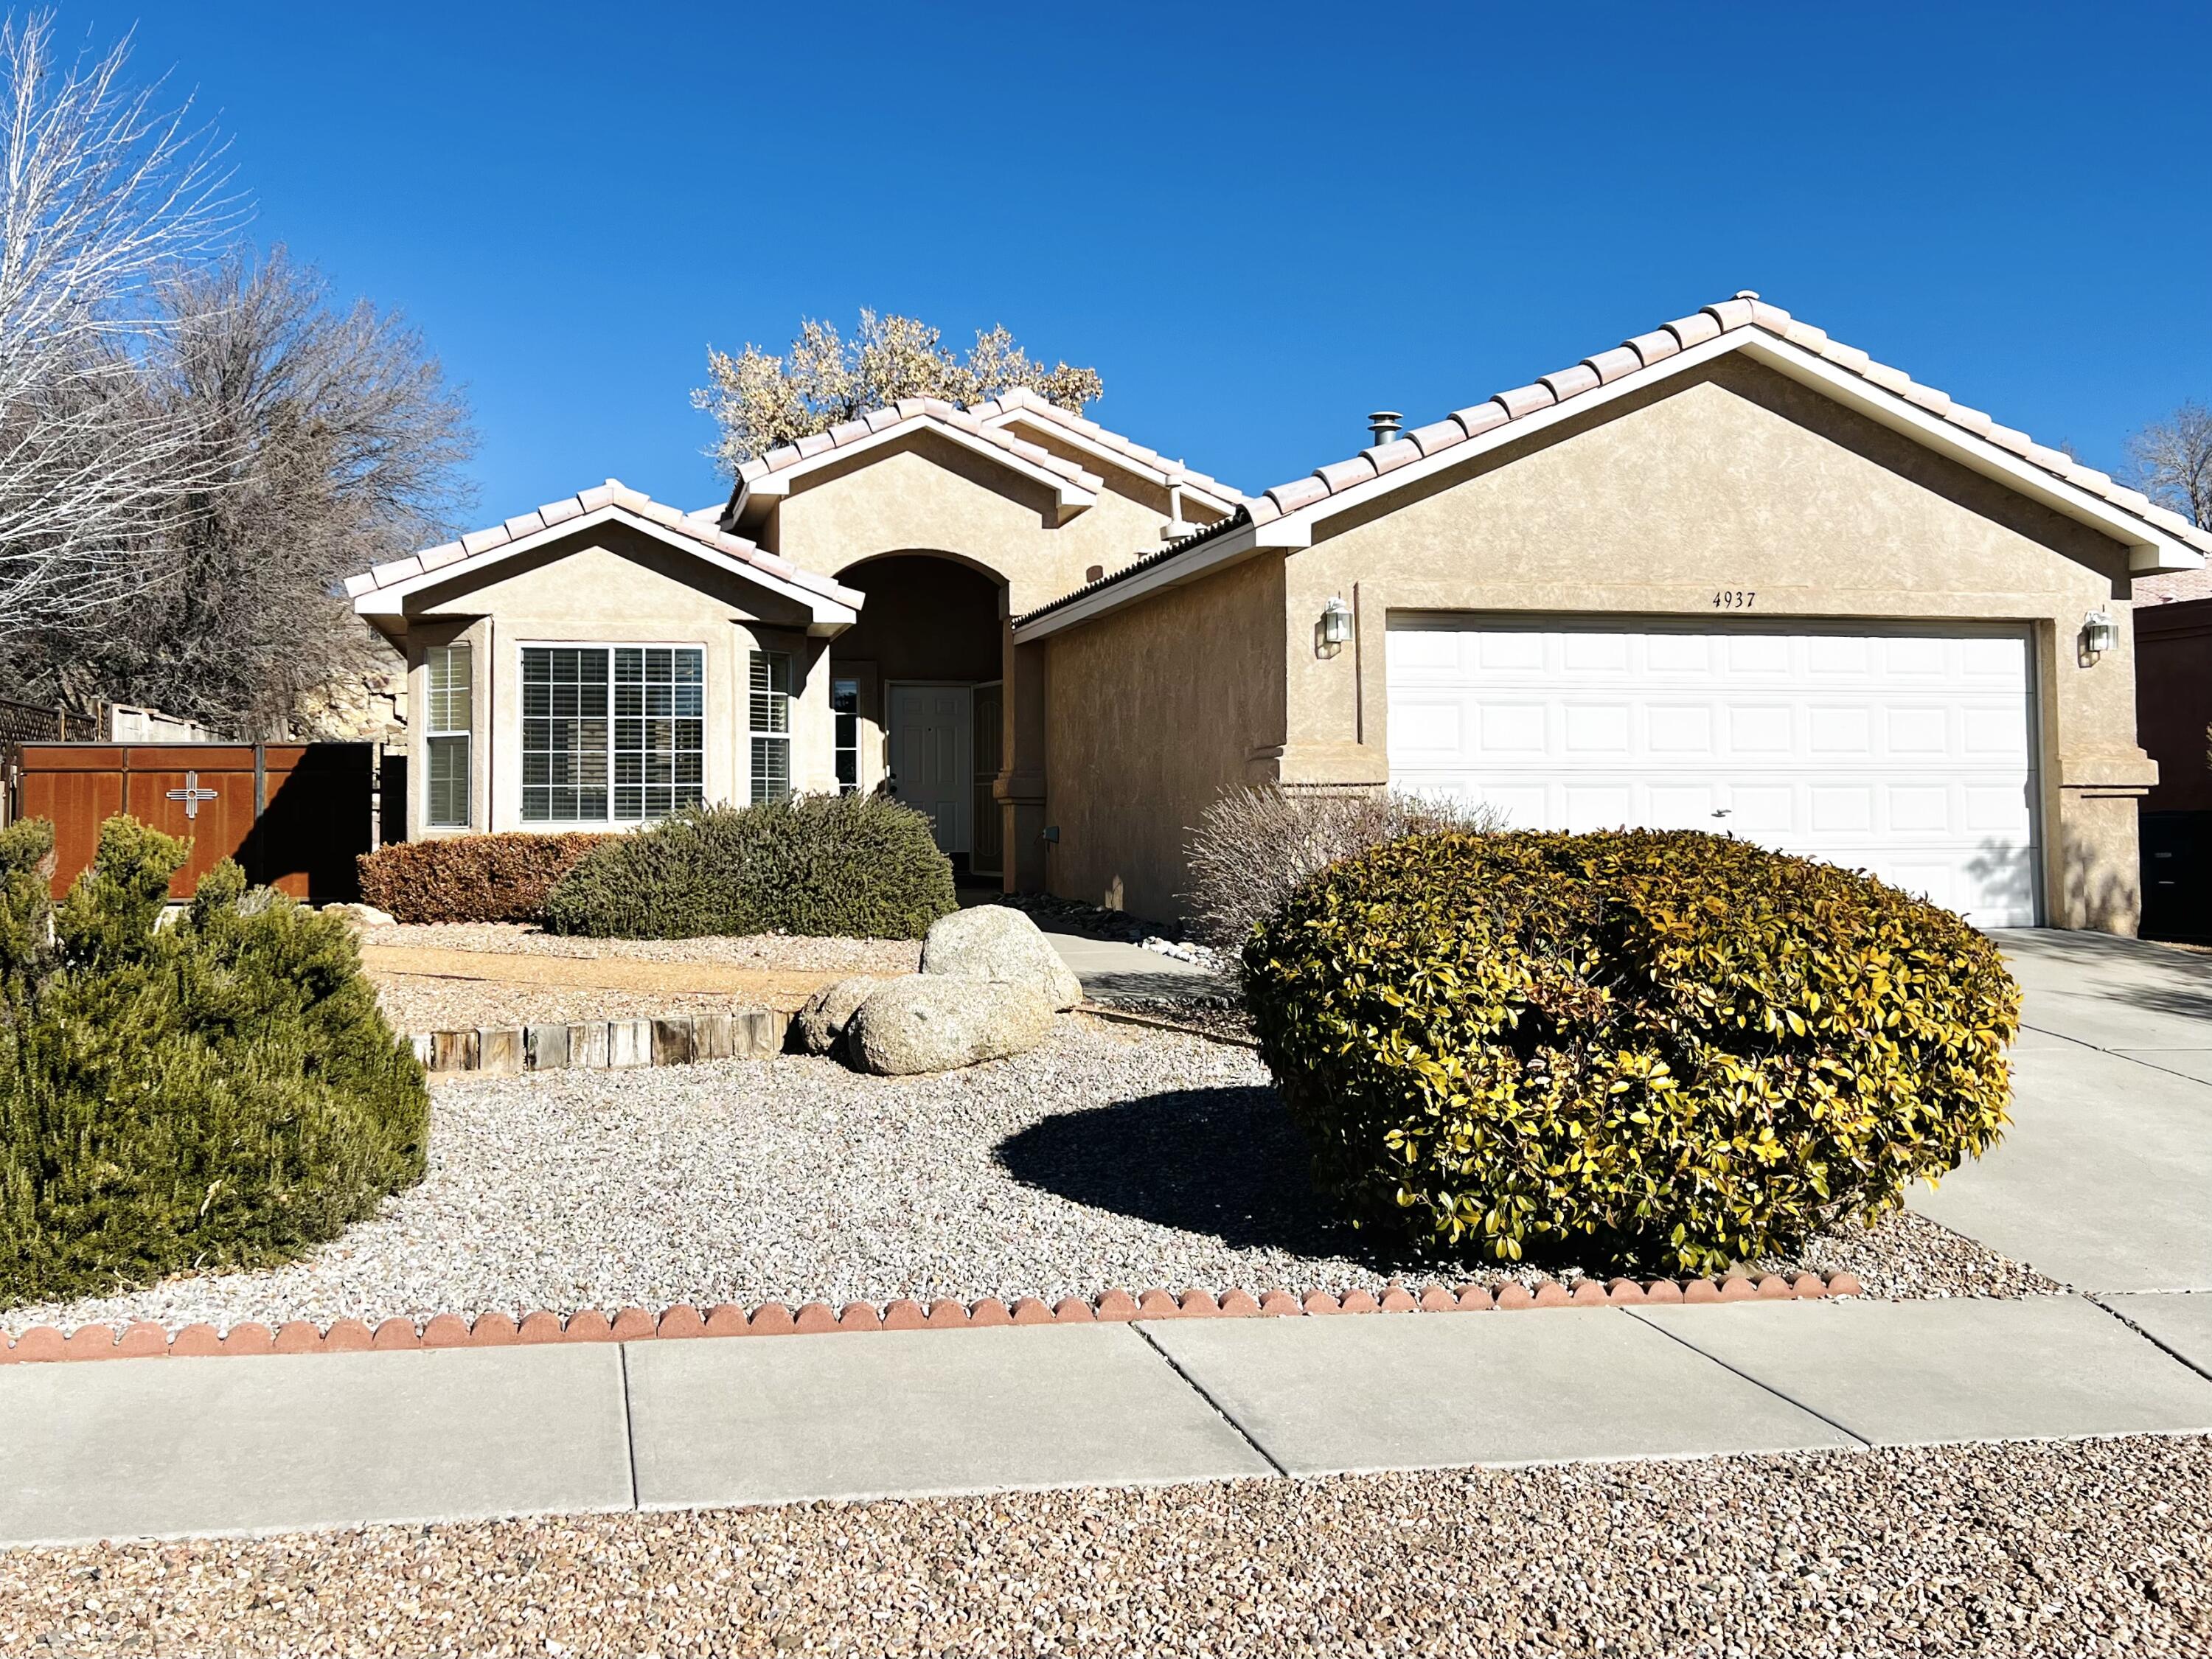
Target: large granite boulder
x: 996, y: 943
x: 938, y: 1022
x: 821, y: 1021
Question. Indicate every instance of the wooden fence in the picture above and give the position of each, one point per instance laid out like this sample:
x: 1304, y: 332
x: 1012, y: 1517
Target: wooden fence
x: 295, y: 815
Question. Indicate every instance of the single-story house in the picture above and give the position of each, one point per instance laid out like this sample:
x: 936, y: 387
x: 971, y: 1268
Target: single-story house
x: 1730, y: 574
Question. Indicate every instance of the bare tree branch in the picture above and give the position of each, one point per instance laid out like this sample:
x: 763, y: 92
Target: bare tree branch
x: 101, y: 192
x: 2173, y: 462
x: 330, y: 442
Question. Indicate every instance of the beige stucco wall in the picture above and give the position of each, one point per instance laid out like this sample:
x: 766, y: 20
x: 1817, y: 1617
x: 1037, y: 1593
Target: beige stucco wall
x: 1151, y: 712
x: 612, y: 585
x: 1741, y: 480
x: 929, y: 494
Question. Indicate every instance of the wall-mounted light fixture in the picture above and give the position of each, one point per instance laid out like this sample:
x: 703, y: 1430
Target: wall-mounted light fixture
x: 1335, y: 621
x: 2100, y: 634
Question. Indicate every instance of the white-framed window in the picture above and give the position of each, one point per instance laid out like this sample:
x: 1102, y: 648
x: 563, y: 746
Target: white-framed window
x: 768, y: 722
x: 612, y: 733
x: 845, y: 709
x: 446, y: 727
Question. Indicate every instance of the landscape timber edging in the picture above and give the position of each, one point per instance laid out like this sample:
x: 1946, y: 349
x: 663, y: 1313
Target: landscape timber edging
x: 148, y: 1340
x: 667, y: 1040
x: 603, y: 1044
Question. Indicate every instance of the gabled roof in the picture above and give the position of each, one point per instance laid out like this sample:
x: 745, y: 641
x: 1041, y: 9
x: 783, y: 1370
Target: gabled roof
x: 770, y: 476
x: 1018, y: 405
x: 382, y: 590
x: 2159, y: 538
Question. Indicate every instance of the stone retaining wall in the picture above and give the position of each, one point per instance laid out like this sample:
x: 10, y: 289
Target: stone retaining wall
x: 604, y: 1044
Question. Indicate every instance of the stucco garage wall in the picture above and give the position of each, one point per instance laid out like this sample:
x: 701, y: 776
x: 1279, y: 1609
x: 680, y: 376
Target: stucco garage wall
x: 1742, y: 481
x: 1152, y: 711
x: 616, y: 587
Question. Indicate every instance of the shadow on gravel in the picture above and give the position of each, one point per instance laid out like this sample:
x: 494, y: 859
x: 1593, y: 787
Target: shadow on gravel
x: 1223, y: 1162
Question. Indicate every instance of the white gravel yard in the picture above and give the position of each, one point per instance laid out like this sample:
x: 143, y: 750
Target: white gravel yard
x: 1115, y: 1156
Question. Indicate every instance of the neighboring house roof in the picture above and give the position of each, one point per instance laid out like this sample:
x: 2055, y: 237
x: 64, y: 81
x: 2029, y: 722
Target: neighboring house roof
x: 2160, y: 538
x: 770, y: 476
x: 382, y: 590
x: 1018, y: 404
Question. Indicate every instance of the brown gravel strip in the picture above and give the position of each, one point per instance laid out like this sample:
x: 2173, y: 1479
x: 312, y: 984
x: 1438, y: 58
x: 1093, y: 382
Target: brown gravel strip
x: 2072, y: 1547
x: 454, y: 975
x: 774, y: 950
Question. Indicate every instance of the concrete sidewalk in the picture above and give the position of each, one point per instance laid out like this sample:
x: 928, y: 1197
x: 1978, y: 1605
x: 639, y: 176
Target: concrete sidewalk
x: 166, y: 1447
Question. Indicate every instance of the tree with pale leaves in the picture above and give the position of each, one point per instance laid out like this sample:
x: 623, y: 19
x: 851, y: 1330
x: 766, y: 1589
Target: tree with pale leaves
x: 759, y: 399
x: 2173, y: 462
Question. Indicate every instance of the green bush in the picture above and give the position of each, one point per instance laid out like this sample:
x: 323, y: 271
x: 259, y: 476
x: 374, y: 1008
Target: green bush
x: 221, y: 1092
x: 861, y: 866
x: 503, y: 877
x: 1665, y: 1051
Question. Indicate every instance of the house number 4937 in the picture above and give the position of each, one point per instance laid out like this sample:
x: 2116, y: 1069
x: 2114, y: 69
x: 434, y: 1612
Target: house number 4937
x: 1734, y: 599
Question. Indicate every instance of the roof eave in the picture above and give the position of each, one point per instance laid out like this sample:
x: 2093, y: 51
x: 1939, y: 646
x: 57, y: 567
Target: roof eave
x: 1120, y: 461
x: 2150, y: 551
x: 757, y: 495
x: 1233, y: 545
x: 830, y: 612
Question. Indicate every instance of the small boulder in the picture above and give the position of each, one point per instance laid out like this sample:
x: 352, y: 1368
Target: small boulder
x: 825, y: 1014
x: 998, y: 943
x: 361, y: 915
x: 939, y: 1022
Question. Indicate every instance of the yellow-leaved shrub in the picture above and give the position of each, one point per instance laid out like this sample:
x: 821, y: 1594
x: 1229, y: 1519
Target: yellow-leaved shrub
x: 1635, y: 1049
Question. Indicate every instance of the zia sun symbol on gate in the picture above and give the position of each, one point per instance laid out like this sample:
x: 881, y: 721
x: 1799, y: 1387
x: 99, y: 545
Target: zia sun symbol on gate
x: 192, y: 794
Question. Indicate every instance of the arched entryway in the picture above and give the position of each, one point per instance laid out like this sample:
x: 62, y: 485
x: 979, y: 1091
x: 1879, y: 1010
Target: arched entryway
x: 916, y: 687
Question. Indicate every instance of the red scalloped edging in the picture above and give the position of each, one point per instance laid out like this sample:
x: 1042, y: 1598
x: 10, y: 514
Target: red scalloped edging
x: 146, y: 1340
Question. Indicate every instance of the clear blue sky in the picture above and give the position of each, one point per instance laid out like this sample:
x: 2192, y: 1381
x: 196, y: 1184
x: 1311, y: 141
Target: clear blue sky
x: 1258, y: 222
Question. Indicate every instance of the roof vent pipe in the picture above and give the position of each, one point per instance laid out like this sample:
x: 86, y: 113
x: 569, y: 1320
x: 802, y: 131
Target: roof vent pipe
x: 1383, y: 423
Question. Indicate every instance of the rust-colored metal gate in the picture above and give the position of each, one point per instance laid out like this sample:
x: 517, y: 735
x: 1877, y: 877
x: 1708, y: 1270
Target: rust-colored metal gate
x: 295, y: 815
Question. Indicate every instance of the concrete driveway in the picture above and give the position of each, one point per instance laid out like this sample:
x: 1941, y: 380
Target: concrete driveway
x: 2104, y: 1181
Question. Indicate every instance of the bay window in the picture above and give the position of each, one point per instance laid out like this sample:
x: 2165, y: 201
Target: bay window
x: 612, y: 733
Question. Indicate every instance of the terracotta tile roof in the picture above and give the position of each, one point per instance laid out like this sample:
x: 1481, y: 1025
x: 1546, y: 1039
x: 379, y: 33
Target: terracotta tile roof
x: 915, y: 411
x: 1745, y: 311
x: 1213, y: 531
x: 698, y: 527
x: 1019, y: 401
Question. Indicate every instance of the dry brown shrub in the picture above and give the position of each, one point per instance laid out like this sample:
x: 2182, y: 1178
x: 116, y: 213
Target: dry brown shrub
x: 503, y: 877
x: 1254, y: 845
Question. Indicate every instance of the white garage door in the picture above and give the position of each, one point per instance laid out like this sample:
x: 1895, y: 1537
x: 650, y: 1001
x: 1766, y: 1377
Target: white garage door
x: 1907, y: 753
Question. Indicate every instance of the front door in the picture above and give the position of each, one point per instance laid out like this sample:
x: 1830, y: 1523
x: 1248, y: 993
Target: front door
x: 933, y: 758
